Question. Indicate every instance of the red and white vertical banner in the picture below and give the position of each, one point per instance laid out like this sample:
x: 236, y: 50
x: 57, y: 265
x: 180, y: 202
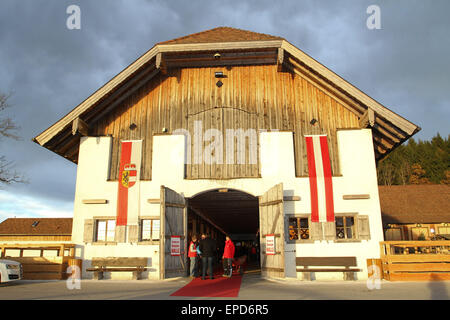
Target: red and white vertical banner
x: 175, y: 245
x: 129, y: 176
x: 320, y: 179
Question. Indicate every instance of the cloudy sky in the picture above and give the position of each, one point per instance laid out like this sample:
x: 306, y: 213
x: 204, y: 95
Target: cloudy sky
x: 50, y: 69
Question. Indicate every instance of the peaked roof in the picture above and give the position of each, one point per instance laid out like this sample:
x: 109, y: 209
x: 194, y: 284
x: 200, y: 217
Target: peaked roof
x: 36, y: 226
x: 389, y: 129
x: 221, y: 34
x: 415, y: 203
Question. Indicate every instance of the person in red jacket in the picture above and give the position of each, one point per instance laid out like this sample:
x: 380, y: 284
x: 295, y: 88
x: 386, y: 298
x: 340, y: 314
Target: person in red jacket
x: 228, y: 255
x: 192, y: 254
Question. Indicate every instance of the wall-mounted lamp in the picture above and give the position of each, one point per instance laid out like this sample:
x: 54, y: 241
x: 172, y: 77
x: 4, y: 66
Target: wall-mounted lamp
x: 313, y: 121
x: 217, y: 56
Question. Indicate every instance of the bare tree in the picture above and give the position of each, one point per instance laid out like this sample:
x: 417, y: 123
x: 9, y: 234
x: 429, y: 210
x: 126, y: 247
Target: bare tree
x: 386, y: 174
x: 8, y: 129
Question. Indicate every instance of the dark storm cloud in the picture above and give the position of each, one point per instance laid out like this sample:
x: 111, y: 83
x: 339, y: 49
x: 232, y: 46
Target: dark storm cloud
x: 52, y: 69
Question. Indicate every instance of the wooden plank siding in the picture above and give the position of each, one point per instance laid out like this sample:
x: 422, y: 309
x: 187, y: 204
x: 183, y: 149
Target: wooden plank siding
x: 35, y: 238
x: 252, y: 97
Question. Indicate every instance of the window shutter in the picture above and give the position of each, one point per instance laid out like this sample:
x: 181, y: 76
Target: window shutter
x: 363, y: 227
x: 316, y: 231
x: 88, y: 235
x: 134, y: 233
x: 329, y: 229
x: 119, y: 234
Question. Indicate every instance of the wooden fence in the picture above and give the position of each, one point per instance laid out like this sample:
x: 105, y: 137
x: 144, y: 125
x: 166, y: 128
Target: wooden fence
x: 415, y: 260
x: 41, y: 267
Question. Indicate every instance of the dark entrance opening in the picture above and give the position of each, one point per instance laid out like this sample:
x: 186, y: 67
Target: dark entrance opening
x: 229, y: 212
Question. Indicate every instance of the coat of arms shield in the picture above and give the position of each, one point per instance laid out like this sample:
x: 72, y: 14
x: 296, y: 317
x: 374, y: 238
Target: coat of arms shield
x: 129, y: 175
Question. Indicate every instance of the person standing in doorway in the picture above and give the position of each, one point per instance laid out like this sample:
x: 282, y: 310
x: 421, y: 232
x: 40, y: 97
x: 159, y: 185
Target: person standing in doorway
x: 253, y: 252
x: 192, y: 254
x: 228, y: 255
x: 207, y: 247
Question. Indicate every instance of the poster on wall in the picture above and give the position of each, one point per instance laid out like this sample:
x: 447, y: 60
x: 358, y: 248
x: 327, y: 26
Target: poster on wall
x: 175, y: 245
x: 270, y: 244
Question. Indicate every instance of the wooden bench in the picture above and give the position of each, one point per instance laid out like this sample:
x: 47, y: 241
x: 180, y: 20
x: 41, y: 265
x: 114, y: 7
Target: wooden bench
x: 344, y: 264
x: 101, y: 265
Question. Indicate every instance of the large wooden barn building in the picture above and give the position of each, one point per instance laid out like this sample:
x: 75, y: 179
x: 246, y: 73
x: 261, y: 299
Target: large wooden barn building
x: 233, y: 132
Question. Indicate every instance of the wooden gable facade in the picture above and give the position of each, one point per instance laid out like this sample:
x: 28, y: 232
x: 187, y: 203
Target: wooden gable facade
x: 266, y: 85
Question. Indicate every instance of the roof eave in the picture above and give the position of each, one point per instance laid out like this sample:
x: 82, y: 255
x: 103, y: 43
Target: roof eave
x: 63, y: 124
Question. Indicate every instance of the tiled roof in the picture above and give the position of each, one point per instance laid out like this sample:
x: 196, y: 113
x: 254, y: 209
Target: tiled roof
x: 42, y: 226
x: 415, y: 203
x: 222, y: 34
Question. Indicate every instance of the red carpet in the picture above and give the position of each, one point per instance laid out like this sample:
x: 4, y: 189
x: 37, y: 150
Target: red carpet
x: 218, y: 287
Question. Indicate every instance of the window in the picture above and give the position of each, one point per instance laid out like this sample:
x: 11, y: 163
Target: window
x: 298, y: 228
x: 393, y: 234
x: 105, y: 230
x: 150, y: 229
x: 444, y: 230
x: 345, y: 228
x: 419, y: 233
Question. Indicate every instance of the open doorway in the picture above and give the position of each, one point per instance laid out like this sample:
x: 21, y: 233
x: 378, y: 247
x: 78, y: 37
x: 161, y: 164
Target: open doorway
x: 230, y: 212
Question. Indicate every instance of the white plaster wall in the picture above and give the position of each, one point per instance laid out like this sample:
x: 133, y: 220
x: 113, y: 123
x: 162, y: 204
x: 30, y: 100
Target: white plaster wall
x: 277, y: 165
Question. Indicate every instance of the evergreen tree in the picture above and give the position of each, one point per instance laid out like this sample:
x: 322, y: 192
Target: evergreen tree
x: 417, y: 163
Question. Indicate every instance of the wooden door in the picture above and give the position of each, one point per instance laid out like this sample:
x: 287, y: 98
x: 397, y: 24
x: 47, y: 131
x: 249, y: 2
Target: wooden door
x: 271, y: 222
x: 173, y: 225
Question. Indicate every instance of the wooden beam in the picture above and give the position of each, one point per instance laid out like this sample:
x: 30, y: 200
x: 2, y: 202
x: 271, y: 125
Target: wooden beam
x: 306, y: 74
x: 175, y: 205
x: 391, y: 128
x: 79, y: 126
x: 202, y: 215
x: 388, y: 145
x: 220, y: 63
x: 270, y: 203
x: 380, y: 149
x: 95, y: 201
x: 193, y: 56
x: 355, y: 196
x: 393, y: 138
x: 291, y: 198
x: 161, y: 63
x: 280, y: 59
x: 367, y: 119
x: 220, y: 46
x: 69, y: 143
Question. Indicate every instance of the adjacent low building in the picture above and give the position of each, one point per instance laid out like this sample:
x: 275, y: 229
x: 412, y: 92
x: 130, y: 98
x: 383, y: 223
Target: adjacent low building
x: 415, y: 212
x: 34, y: 237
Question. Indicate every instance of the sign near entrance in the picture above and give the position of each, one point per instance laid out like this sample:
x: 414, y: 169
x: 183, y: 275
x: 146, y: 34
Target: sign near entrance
x: 270, y: 244
x: 175, y: 245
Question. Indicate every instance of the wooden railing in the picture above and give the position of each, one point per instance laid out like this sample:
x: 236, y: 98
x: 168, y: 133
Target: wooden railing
x: 40, y: 266
x: 415, y: 260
